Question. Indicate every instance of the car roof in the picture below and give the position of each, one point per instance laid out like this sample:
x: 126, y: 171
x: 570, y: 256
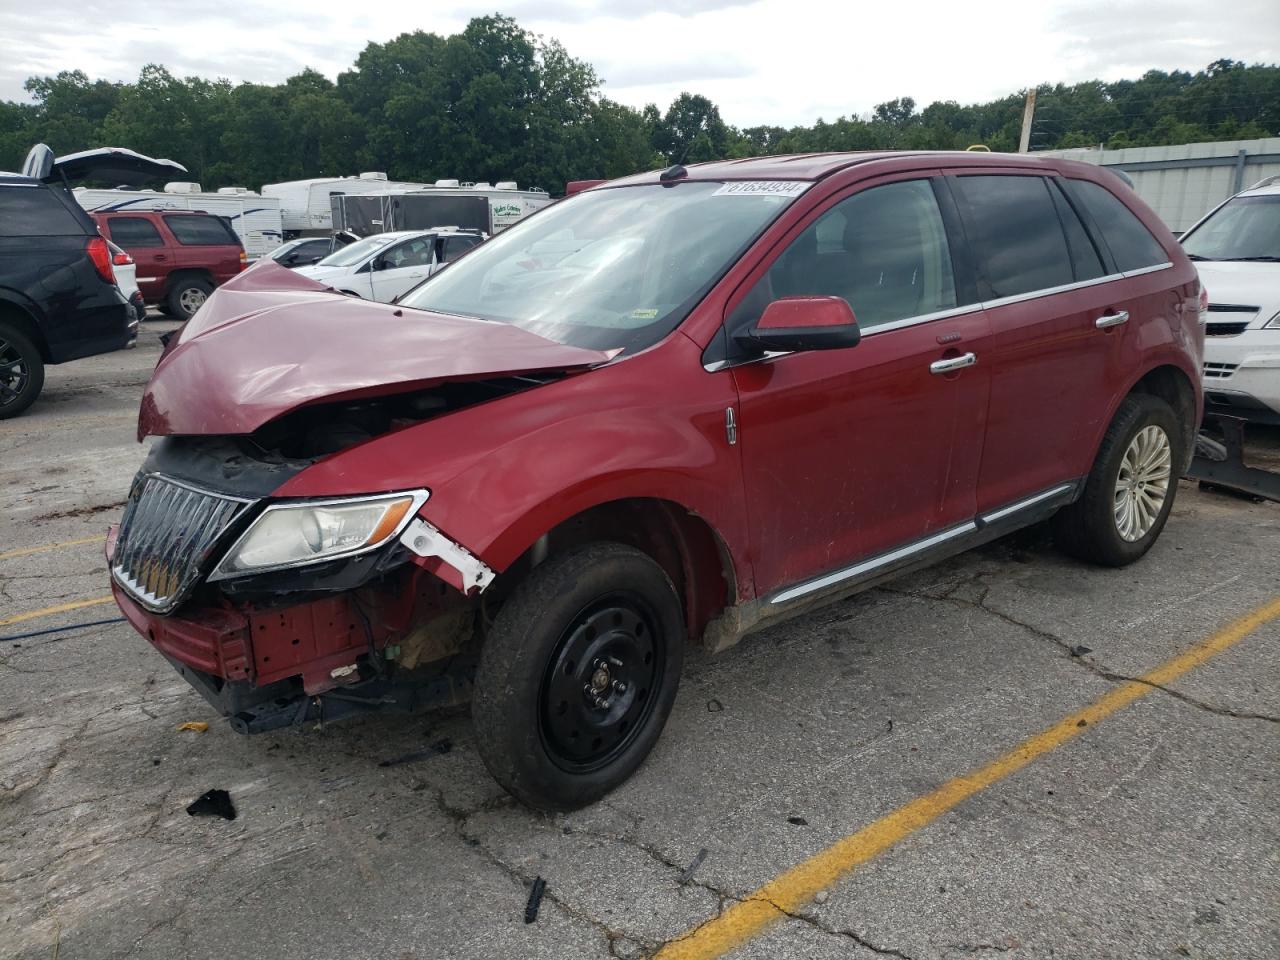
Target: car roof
x: 1265, y: 190
x: 819, y: 166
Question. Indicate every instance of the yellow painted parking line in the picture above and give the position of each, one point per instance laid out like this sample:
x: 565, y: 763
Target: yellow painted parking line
x: 28, y: 551
x: 788, y: 892
x: 56, y: 608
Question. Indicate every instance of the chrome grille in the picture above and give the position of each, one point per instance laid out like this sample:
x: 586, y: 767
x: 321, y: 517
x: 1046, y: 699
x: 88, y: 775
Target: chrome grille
x: 1226, y: 329
x: 167, y: 533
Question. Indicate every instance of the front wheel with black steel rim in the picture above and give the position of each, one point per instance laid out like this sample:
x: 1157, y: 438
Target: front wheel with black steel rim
x: 578, y: 675
x: 21, y: 372
x: 1130, y: 490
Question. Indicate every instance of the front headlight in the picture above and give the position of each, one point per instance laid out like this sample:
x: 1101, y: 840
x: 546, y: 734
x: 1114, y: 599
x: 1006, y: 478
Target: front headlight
x: 1273, y: 323
x: 294, y: 534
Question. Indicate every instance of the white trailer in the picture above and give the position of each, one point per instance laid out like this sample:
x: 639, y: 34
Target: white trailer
x: 255, y: 219
x: 305, y: 204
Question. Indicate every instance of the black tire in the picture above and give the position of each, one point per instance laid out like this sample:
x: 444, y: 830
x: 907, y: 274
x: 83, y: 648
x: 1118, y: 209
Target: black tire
x: 178, y: 303
x: 1089, y: 529
x: 21, y: 372
x: 585, y: 619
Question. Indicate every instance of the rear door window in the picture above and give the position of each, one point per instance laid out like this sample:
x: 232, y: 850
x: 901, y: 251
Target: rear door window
x: 134, y: 232
x: 1131, y: 243
x: 883, y: 250
x: 201, y: 231
x: 29, y: 211
x: 451, y: 248
x: 1017, y: 236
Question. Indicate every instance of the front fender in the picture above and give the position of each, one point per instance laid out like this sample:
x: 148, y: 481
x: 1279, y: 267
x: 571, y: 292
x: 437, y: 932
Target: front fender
x: 503, y: 473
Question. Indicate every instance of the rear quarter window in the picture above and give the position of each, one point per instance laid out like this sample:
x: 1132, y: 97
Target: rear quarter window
x: 201, y: 231
x: 1016, y: 233
x: 27, y: 211
x: 1131, y: 243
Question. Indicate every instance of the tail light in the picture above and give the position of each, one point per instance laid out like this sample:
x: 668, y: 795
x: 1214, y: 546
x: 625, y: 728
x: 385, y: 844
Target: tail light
x: 244, y: 260
x: 100, y: 257
x: 1204, y: 300
x: 122, y: 259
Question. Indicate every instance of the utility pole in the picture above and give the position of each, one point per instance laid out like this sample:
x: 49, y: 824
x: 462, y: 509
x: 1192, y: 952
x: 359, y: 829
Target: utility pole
x: 1028, y: 112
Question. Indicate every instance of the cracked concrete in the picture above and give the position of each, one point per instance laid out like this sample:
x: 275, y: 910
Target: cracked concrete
x: 1153, y: 835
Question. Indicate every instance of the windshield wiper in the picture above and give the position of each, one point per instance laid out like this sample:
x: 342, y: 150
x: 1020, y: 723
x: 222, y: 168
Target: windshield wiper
x: 1196, y: 256
x: 1265, y: 259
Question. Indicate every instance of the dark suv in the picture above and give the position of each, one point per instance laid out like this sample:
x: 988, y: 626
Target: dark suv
x: 58, y: 296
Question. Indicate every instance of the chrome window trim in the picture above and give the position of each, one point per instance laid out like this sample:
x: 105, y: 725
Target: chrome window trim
x: 1023, y: 504
x: 873, y: 564
x: 958, y: 311
x: 1151, y: 269
x: 1050, y: 291
x: 923, y: 318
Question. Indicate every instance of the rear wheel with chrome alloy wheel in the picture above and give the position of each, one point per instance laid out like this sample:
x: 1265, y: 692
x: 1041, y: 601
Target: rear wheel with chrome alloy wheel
x: 1131, y: 488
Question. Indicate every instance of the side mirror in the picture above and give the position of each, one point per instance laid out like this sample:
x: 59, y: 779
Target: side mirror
x: 804, y: 323
x: 379, y: 264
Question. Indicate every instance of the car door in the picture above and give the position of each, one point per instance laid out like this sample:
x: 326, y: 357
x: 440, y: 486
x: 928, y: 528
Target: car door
x: 1050, y: 353
x: 851, y: 454
x: 401, y: 267
x: 151, y: 254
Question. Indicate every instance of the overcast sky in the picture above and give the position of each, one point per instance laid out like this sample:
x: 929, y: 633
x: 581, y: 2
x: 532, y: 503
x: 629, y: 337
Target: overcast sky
x: 763, y: 61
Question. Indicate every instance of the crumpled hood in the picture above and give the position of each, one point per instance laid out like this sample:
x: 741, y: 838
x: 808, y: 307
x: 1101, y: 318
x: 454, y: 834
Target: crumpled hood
x: 271, y: 341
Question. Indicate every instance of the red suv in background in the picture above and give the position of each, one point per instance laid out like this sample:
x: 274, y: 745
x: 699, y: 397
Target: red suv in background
x: 181, y: 256
x: 648, y: 416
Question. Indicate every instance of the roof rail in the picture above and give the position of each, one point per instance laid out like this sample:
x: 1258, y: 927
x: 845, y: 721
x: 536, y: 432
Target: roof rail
x: 1266, y: 181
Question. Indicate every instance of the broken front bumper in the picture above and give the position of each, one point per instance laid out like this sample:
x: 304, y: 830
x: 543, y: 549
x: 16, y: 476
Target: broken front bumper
x: 319, y: 657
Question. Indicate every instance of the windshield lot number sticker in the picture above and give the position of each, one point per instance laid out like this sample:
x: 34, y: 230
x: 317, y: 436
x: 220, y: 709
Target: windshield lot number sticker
x: 763, y: 188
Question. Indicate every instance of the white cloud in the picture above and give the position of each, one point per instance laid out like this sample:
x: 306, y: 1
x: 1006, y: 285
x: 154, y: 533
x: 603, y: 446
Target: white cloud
x: 762, y: 61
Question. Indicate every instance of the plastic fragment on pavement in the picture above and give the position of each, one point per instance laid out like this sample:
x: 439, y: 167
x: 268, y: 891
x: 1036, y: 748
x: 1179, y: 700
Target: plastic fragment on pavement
x: 535, y: 900
x: 213, y: 803
x: 198, y: 726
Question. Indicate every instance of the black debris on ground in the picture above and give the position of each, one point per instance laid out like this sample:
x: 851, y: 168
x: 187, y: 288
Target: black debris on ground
x: 798, y: 821
x: 692, y: 868
x: 535, y: 900
x: 213, y: 803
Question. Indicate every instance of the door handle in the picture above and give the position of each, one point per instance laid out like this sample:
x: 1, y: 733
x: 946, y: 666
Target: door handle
x: 1112, y: 319
x: 159, y: 256
x: 951, y: 364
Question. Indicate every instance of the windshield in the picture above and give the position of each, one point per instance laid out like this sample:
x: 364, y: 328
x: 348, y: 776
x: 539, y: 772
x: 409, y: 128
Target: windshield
x: 349, y: 256
x: 1247, y: 228
x: 618, y: 268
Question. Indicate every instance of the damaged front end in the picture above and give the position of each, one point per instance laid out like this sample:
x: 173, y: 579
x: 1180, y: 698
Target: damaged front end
x: 281, y: 608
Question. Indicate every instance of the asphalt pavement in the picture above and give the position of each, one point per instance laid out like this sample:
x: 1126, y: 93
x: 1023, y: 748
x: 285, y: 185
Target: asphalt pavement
x: 964, y: 752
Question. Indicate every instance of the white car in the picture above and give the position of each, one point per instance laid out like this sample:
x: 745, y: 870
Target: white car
x: 385, y: 265
x: 1237, y: 251
x: 126, y: 273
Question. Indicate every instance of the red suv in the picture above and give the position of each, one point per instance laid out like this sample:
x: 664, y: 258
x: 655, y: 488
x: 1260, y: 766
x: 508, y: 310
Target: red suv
x: 181, y: 256
x: 645, y: 417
